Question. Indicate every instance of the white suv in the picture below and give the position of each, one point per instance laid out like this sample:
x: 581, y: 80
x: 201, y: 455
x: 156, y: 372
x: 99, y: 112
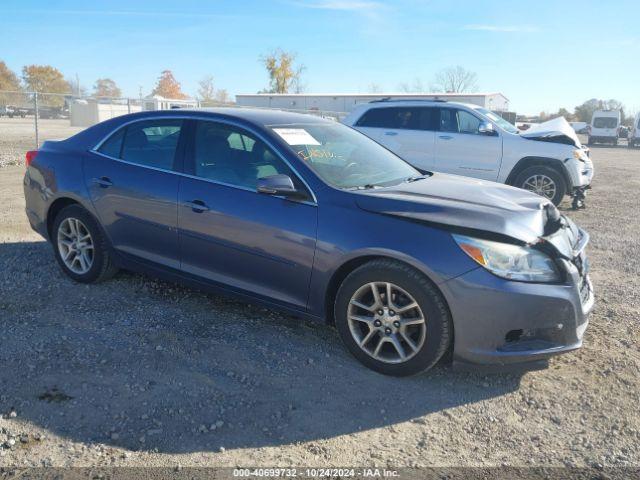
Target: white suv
x: 472, y: 141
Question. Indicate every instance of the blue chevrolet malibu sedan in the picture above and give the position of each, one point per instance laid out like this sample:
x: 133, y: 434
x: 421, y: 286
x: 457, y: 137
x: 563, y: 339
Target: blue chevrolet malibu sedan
x: 310, y: 216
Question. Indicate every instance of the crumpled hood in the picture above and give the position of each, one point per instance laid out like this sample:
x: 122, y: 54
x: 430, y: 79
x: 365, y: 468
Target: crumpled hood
x: 557, y: 130
x: 465, y: 203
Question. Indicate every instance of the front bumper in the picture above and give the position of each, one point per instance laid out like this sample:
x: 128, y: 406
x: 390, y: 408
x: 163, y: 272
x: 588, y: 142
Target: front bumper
x: 502, y: 322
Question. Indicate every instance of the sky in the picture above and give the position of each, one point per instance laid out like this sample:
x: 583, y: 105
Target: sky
x: 540, y: 54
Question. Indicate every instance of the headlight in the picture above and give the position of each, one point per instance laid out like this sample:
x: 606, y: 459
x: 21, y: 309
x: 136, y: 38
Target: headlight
x: 509, y: 261
x: 579, y: 154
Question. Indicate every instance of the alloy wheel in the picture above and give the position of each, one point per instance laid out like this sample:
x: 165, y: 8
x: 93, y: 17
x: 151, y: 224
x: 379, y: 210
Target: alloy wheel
x: 75, y: 245
x: 542, y: 185
x: 386, y: 322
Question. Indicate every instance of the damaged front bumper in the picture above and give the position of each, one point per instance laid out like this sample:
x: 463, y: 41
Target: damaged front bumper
x: 506, y: 323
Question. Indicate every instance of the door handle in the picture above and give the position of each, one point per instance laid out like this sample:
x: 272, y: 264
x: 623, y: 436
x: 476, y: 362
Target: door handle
x: 197, y: 206
x: 445, y: 137
x: 391, y: 134
x: 104, y: 182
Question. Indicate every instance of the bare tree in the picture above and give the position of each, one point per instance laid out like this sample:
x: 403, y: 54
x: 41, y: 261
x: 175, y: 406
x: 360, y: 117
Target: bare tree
x: 284, y: 76
x: 374, y: 88
x: 206, y: 89
x: 415, y: 87
x: 222, y: 96
x: 455, y: 80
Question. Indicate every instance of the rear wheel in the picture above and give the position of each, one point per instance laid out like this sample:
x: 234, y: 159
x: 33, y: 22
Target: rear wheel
x: 392, y: 318
x: 80, y: 246
x: 545, y: 181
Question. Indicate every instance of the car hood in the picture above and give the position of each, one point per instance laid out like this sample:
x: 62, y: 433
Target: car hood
x: 455, y: 201
x: 557, y: 130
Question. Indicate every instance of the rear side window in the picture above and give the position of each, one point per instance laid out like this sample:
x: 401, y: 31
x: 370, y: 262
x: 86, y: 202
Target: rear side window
x: 151, y: 143
x: 399, y: 118
x: 605, y: 122
x: 113, y: 146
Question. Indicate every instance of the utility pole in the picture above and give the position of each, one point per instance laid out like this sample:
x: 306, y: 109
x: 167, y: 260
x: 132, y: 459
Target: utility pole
x: 77, y: 85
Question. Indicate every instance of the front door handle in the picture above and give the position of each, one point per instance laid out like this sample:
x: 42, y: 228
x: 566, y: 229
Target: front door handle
x: 445, y: 137
x: 104, y: 182
x: 197, y: 206
x: 391, y: 134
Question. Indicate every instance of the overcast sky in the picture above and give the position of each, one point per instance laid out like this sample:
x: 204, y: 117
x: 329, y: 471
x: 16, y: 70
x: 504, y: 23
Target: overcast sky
x: 541, y: 54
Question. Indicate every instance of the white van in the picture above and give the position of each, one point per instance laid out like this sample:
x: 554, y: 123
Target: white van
x: 472, y: 141
x: 605, y: 126
x: 634, y: 132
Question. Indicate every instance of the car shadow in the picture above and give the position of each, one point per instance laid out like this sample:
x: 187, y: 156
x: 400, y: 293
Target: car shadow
x: 147, y: 365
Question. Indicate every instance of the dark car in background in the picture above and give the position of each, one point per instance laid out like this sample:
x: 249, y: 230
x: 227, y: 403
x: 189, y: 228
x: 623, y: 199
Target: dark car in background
x: 314, y: 218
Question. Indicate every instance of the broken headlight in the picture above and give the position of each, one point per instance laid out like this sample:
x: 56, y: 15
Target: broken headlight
x: 512, y: 262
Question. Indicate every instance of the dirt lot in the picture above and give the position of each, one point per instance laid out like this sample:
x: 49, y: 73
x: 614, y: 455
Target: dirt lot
x: 139, y: 372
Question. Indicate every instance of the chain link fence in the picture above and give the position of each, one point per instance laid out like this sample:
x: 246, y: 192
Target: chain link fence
x: 27, y: 119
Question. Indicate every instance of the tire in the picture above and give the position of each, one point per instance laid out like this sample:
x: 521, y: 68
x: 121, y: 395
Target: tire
x: 430, y: 339
x: 615, y: 142
x: 589, y: 141
x: 524, y: 181
x: 100, y: 263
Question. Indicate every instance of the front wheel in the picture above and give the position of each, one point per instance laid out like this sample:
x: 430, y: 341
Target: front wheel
x: 80, y: 246
x: 392, y: 318
x: 545, y: 181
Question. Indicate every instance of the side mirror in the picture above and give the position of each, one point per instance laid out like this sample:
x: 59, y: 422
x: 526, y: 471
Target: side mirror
x: 486, y: 128
x: 279, y: 184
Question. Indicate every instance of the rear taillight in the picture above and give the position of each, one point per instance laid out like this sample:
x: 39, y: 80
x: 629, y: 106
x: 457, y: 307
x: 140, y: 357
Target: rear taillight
x: 30, y: 156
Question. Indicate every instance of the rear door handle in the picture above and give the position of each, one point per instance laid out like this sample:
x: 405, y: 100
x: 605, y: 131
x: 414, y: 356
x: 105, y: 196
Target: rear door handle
x: 391, y: 134
x: 445, y: 137
x: 104, y: 182
x: 197, y: 206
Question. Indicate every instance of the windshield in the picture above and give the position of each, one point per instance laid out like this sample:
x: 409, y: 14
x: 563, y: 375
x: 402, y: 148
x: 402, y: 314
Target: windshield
x: 605, y: 122
x: 343, y: 157
x: 498, y: 120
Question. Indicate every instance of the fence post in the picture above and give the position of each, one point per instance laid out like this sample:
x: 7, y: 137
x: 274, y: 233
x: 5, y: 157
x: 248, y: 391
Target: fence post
x: 35, y: 116
x: 128, y: 105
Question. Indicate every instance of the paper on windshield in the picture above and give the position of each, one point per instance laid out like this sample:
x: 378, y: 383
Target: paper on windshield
x: 296, y: 136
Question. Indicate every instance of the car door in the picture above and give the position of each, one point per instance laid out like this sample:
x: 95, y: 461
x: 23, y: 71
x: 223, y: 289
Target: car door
x: 231, y: 234
x: 132, y: 183
x: 461, y: 149
x: 406, y: 131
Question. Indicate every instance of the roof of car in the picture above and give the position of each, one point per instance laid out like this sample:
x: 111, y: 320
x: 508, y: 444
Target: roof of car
x: 260, y: 116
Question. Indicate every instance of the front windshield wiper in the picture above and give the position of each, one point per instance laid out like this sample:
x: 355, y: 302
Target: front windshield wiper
x: 368, y: 186
x: 415, y: 178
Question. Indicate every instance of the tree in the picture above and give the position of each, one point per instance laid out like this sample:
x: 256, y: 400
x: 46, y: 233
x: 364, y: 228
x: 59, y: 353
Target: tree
x: 222, y: 96
x: 168, y: 86
x: 46, y: 79
x: 563, y: 112
x: 374, y: 88
x: 8, y: 79
x: 416, y: 87
x: 455, y: 80
x: 584, y: 112
x: 206, y: 90
x: 283, y: 74
x: 105, y: 87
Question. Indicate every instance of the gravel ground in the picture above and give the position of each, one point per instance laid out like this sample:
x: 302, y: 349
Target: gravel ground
x: 138, y: 372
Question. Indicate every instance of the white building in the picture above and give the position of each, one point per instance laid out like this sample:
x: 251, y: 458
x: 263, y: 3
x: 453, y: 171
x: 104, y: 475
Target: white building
x: 84, y: 113
x: 337, y: 102
x: 156, y: 102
